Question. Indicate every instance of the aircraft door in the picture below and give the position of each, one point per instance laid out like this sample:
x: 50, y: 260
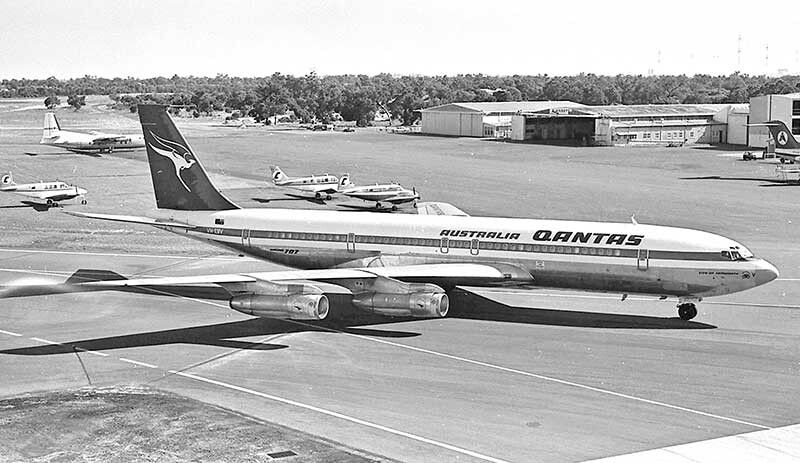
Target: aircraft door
x: 474, y: 247
x: 245, y: 237
x: 643, y: 259
x: 444, y: 245
x: 351, y: 242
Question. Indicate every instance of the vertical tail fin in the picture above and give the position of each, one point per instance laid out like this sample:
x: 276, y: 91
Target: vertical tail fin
x: 51, y: 126
x: 179, y: 180
x: 7, y: 182
x: 277, y: 174
x: 345, y: 182
x: 782, y: 135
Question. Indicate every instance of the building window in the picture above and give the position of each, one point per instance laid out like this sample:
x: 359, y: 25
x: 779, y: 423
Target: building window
x: 796, y: 108
x: 796, y: 126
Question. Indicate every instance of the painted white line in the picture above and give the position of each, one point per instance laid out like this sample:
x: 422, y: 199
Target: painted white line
x: 93, y: 352
x: 341, y: 416
x: 545, y: 378
x: 10, y: 333
x: 111, y: 254
x: 773, y: 445
x: 135, y: 362
x: 787, y: 279
x: 45, y: 341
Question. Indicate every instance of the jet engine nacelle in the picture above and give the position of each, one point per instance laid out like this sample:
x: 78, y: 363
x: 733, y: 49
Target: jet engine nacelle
x: 292, y: 306
x: 404, y: 305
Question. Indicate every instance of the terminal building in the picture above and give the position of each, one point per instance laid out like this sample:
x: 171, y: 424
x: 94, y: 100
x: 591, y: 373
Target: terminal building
x: 569, y: 122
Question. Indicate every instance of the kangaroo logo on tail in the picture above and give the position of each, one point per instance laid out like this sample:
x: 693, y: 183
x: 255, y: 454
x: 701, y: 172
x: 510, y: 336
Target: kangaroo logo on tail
x: 179, y: 155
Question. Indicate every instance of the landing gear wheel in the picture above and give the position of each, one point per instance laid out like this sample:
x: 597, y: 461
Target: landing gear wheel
x: 51, y: 203
x: 328, y: 198
x: 83, y: 202
x: 394, y: 208
x: 687, y: 311
x: 377, y: 205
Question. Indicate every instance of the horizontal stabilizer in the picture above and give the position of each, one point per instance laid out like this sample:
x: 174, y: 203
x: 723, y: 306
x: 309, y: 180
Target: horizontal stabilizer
x: 436, y: 208
x: 130, y: 219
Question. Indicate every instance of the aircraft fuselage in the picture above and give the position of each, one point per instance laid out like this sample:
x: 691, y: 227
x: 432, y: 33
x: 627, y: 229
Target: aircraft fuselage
x: 597, y: 256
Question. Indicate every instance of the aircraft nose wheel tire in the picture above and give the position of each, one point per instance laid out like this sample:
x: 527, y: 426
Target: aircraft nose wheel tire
x: 687, y: 311
x: 83, y: 201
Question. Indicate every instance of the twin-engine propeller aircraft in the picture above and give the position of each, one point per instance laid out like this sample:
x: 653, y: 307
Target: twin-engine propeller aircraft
x: 51, y: 192
x: 404, y: 264
x: 320, y: 185
x: 86, y: 142
x: 392, y: 193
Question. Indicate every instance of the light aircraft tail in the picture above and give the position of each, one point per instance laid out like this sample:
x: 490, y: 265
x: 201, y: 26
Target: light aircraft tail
x: 277, y: 174
x: 179, y: 180
x: 7, y: 182
x: 51, y: 126
x: 782, y: 135
x: 345, y: 182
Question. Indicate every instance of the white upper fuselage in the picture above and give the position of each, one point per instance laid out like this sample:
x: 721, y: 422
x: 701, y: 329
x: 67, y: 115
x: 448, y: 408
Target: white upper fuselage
x: 604, y: 256
x: 314, y: 183
x: 391, y: 193
x: 93, y: 141
x: 56, y: 191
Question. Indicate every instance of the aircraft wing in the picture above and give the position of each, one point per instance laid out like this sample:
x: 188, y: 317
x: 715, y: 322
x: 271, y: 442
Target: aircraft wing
x: 414, y: 272
x: 436, y: 208
x: 332, y: 281
x: 130, y: 219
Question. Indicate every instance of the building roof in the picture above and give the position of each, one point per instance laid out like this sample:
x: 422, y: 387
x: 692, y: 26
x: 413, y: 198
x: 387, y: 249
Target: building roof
x: 646, y: 110
x: 500, y: 106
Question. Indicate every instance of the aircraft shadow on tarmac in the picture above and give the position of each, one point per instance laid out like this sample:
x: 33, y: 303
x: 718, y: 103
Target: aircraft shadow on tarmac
x: 39, y: 207
x: 355, y: 208
x: 220, y: 335
x: 465, y: 305
x: 770, y: 182
x: 291, y: 198
x: 470, y: 306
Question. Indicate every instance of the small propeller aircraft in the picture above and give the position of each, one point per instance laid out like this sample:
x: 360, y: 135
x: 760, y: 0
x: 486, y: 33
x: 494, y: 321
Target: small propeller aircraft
x: 392, y: 193
x: 321, y: 185
x: 51, y: 192
x: 86, y: 142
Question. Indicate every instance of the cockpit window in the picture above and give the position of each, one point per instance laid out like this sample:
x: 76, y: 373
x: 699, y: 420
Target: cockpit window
x: 733, y: 255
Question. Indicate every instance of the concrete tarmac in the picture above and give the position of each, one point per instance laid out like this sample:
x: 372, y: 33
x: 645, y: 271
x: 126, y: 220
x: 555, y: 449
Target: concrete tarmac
x: 547, y: 376
x: 539, y: 375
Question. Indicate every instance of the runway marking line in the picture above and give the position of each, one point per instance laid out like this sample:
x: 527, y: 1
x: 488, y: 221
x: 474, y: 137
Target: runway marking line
x: 341, y: 416
x: 10, y: 333
x: 45, y: 341
x: 136, y: 362
x: 547, y: 378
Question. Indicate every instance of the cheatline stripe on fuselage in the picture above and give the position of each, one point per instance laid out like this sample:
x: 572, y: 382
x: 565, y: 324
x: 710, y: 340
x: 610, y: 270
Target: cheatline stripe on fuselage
x: 449, y: 243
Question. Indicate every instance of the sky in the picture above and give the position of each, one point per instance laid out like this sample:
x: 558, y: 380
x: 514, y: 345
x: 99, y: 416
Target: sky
x: 146, y: 38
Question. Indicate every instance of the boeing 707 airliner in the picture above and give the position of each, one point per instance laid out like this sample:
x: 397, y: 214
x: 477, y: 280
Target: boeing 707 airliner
x: 404, y: 265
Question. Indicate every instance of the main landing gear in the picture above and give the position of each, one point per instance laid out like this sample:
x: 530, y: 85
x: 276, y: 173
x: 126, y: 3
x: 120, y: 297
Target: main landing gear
x: 319, y: 196
x: 687, y: 310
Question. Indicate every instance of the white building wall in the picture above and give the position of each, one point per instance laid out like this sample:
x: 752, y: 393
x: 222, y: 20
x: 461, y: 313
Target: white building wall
x: 466, y: 124
x: 767, y: 108
x: 518, y: 128
x: 737, y: 129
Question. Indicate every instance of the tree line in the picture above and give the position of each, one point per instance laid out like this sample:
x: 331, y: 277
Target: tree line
x: 359, y: 97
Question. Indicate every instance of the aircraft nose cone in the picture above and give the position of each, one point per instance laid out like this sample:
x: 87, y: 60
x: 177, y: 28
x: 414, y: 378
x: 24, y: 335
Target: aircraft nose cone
x: 765, y: 273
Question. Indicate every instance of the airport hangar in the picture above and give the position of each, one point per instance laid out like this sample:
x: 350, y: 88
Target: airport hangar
x: 566, y: 121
